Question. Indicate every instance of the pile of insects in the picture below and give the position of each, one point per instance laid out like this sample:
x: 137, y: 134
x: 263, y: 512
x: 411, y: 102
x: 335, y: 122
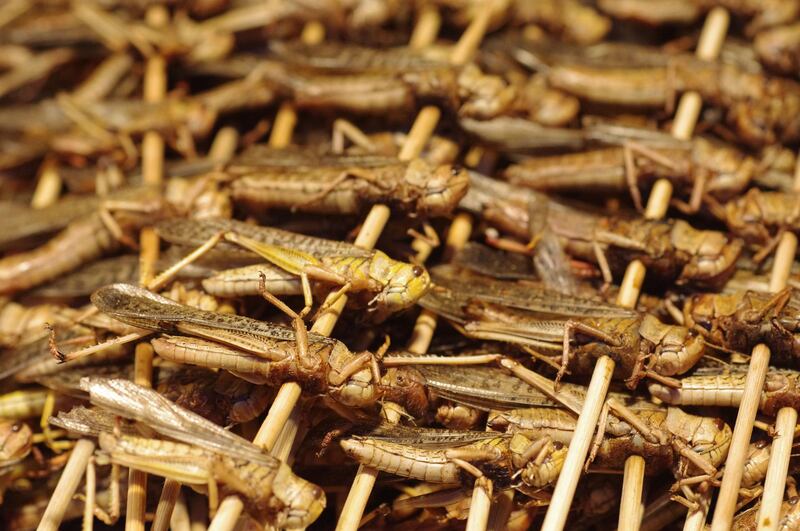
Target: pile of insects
x: 385, y: 264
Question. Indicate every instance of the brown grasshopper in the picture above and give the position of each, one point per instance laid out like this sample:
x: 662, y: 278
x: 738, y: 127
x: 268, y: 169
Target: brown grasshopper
x: 544, y: 320
x: 671, y: 250
x: 741, y: 320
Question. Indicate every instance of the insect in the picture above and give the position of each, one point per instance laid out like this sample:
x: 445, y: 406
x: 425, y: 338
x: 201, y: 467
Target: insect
x: 712, y: 387
x: 777, y: 48
x: 452, y: 457
x: 739, y: 92
x: 255, y: 350
x: 202, y: 454
x: 760, y: 217
x: 707, y: 438
x: 16, y: 439
x: 697, y: 167
x: 671, y: 250
x: 739, y: 321
x: 343, y: 184
x: 641, y: 344
x: 393, y: 285
x: 83, y: 240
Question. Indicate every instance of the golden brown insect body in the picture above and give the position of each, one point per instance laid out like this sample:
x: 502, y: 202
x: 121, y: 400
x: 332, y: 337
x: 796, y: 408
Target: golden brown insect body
x: 670, y: 249
x: 741, y: 320
x: 726, y: 388
x: 499, y: 457
x: 259, y: 351
x: 344, y: 184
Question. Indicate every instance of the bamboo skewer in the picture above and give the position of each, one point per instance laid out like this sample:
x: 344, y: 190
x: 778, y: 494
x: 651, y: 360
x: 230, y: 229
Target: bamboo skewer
x: 421, y: 338
x: 556, y: 516
x: 427, y: 27
x: 630, y: 510
x: 166, y: 505
x: 155, y: 88
x: 180, y: 520
x: 67, y: 484
x: 498, y: 516
x: 286, y: 118
x: 49, y: 186
x: 289, y: 393
x: 737, y: 454
x: 769, y: 516
x: 786, y: 420
x: 688, y: 111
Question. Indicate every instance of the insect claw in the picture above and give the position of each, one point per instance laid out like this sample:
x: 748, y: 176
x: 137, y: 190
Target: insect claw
x: 59, y: 356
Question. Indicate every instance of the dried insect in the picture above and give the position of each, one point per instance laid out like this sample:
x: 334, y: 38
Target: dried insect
x: 345, y: 184
x: 641, y: 344
x: 255, y: 350
x: 725, y: 388
x: 204, y: 454
x: 393, y: 285
x: 740, y: 321
x: 671, y: 250
x: 443, y: 456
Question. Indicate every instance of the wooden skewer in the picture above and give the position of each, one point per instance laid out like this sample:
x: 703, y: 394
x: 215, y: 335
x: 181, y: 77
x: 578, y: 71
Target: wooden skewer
x: 166, y: 505
x: 769, y: 516
x: 137, y: 480
x: 498, y: 517
x: 49, y: 185
x: 90, y: 488
x: 630, y: 510
x: 224, y: 145
x: 180, y: 520
x: 561, y: 501
x: 421, y: 338
x: 427, y: 27
x: 286, y: 119
x: 67, y: 484
x: 281, y: 409
x: 711, y: 39
x: 786, y: 421
x: 155, y: 88
x: 737, y: 454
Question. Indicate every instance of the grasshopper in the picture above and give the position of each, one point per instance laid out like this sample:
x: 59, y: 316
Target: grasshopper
x: 741, y: 320
x: 451, y: 457
x: 760, y: 217
x: 343, y: 184
x: 255, y: 350
x: 83, y: 240
x: 201, y: 453
x: 710, y: 167
x: 641, y: 344
x: 712, y: 387
x: 671, y: 250
x: 393, y: 285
